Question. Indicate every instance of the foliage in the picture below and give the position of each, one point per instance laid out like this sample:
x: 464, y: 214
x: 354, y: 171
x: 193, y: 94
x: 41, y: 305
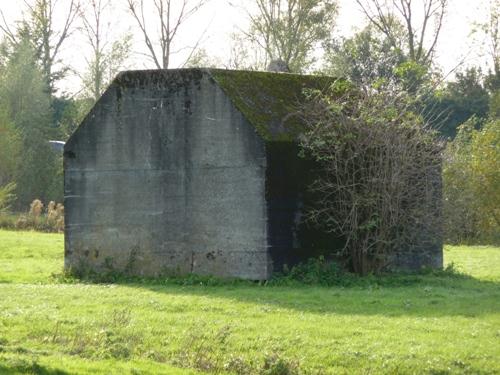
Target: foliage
x: 40, y: 29
x: 367, y: 59
x: 69, y: 113
x: 374, y: 63
x: 378, y: 184
x: 463, y: 98
x: 316, y: 271
x: 27, y: 105
x: 472, y: 184
x: 30, y: 116
x: 10, y: 148
x: 247, y: 328
x: 8, y: 220
x: 7, y: 196
x: 290, y: 30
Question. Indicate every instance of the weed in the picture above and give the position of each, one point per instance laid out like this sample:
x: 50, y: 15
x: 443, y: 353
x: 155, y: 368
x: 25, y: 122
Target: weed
x: 274, y: 364
x: 316, y: 271
x: 238, y: 365
x: 114, y: 337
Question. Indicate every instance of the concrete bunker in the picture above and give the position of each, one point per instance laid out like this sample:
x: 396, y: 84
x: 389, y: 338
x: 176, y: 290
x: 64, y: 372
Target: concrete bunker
x: 194, y: 171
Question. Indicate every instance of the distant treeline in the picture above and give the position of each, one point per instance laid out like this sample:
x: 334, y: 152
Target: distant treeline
x: 392, y: 53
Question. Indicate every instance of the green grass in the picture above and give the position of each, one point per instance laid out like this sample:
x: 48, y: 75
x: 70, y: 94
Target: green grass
x: 29, y: 257
x: 438, y: 323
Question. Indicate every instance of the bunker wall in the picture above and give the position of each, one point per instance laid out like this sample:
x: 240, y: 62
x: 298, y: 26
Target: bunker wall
x: 166, y: 177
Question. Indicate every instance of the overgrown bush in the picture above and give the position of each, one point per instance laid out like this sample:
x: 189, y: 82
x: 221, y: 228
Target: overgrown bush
x: 471, y: 177
x: 50, y: 219
x: 379, y: 168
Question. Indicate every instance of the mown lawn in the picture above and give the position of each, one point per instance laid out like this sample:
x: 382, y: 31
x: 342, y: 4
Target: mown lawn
x: 436, y: 324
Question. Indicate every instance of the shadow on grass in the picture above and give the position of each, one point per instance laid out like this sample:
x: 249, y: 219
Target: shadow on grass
x: 21, y: 367
x: 435, y: 294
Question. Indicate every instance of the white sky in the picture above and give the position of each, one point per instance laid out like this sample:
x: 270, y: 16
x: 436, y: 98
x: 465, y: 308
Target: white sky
x: 220, y: 18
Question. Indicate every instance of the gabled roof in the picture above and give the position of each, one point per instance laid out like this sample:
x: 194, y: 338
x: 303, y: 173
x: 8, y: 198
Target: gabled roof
x: 269, y: 101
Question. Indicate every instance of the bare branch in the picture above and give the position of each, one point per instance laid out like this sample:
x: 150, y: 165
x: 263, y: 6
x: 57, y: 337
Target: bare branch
x: 47, y: 39
x: 6, y: 29
x: 382, y: 17
x: 170, y: 21
x: 378, y: 182
x: 288, y: 30
x: 108, y: 56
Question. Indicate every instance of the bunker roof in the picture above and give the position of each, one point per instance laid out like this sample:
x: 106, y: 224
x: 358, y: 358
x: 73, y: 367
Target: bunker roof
x: 269, y: 101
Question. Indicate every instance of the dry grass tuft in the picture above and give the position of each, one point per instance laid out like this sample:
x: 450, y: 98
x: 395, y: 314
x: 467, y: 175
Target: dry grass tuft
x: 49, y: 220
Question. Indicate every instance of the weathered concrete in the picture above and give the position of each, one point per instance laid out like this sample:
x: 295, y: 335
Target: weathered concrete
x: 192, y: 170
x: 167, y: 179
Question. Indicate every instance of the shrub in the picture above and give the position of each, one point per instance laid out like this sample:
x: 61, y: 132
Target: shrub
x: 379, y: 182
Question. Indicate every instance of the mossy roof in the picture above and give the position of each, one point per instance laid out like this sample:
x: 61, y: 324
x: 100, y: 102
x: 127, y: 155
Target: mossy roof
x: 269, y: 101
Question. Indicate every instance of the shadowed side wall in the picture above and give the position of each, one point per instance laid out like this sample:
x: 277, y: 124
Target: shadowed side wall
x: 292, y: 239
x: 165, y: 176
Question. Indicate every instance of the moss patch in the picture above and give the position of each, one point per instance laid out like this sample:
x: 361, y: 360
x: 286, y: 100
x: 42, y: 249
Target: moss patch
x: 269, y: 101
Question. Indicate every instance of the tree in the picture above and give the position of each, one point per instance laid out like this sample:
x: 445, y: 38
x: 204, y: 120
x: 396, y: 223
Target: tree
x: 367, y: 59
x: 494, y: 107
x: 24, y: 95
x: 69, y: 113
x: 472, y: 184
x: 245, y: 54
x: 420, y: 37
x: 485, y: 160
x: 373, y: 62
x: 45, y: 37
x: 10, y: 148
x: 463, y: 98
x: 290, y: 30
x: 492, y: 80
x: 107, y: 57
x: 492, y: 29
x: 378, y: 184
x: 169, y: 20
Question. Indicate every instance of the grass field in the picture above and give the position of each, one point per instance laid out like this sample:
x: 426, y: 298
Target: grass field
x: 436, y: 324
